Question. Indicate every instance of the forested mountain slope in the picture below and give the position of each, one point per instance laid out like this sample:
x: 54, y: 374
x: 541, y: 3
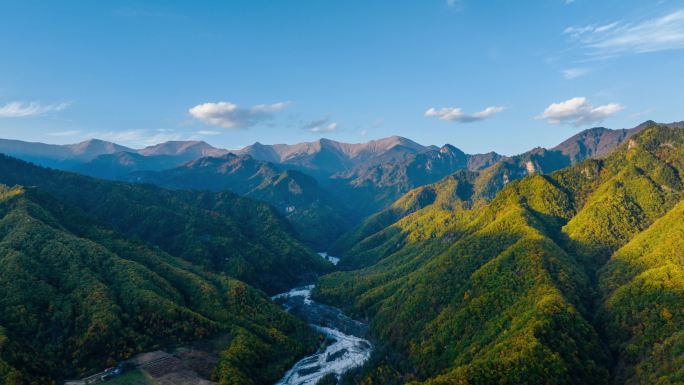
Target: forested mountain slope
x: 374, y: 185
x: 370, y: 176
x: 221, y: 231
x: 78, y: 296
x: 380, y: 234
x: 353, y: 180
x: 547, y: 283
x: 118, y: 165
x: 469, y: 188
x: 315, y: 215
x: 600, y: 141
x: 642, y: 291
x: 483, y: 184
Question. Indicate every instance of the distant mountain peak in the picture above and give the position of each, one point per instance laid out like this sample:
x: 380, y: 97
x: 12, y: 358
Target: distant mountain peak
x: 330, y: 156
x: 447, y: 148
x: 90, y: 142
x: 592, y: 142
x: 599, y: 141
x: 645, y: 124
x: 95, y: 147
x: 649, y: 123
x: 179, y: 147
x: 396, y: 140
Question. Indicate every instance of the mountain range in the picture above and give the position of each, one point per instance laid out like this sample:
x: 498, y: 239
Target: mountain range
x: 94, y: 271
x: 562, y: 265
x: 317, y: 183
x: 316, y: 217
x: 569, y: 277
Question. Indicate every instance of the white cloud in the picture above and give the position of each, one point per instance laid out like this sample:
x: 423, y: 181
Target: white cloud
x: 322, y: 125
x: 65, y: 133
x: 455, y: 114
x: 605, y: 27
x: 208, y: 132
x: 574, y: 73
x: 578, y: 112
x: 620, y: 38
x: 229, y: 115
x: 23, y: 109
x: 589, y: 29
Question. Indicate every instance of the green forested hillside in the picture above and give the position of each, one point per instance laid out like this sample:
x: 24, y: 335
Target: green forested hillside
x: 79, y: 296
x: 317, y: 218
x: 572, y: 277
x: 378, y: 236
x: 377, y: 182
x: 469, y: 188
x: 642, y: 290
x: 221, y: 231
x: 567, y: 278
x: 8, y: 374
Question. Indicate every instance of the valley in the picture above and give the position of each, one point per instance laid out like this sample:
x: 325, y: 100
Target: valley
x: 539, y: 276
x: 307, y: 192
x: 527, y: 258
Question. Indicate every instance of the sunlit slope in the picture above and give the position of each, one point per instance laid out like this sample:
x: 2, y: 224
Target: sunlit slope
x: 462, y: 189
x: 385, y: 232
x: 642, y: 288
x: 506, y: 292
x: 487, y: 305
x: 481, y: 185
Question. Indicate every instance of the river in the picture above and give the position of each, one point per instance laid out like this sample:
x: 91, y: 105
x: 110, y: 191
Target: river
x: 345, y: 347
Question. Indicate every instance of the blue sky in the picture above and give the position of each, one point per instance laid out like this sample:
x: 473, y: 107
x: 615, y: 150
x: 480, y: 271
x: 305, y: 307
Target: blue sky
x: 482, y: 75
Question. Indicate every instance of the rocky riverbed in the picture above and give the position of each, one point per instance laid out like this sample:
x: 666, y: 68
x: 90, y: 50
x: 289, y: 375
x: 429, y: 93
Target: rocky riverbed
x: 345, y: 347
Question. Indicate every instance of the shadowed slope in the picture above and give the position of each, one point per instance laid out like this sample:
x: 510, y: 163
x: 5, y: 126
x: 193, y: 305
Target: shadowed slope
x: 221, y: 231
x: 79, y: 296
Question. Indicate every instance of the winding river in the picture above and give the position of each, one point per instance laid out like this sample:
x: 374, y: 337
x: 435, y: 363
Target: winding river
x: 345, y: 347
